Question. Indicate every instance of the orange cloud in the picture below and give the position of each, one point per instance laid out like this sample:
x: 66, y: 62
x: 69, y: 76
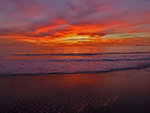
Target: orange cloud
x: 75, y: 22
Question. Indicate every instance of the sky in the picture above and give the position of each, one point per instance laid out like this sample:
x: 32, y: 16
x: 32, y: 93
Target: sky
x: 58, y: 22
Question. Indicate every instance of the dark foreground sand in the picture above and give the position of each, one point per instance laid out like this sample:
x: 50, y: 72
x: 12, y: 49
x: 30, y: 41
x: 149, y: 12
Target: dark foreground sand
x: 115, y: 92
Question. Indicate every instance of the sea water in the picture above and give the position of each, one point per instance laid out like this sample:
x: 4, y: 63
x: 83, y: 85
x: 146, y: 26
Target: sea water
x: 42, y: 60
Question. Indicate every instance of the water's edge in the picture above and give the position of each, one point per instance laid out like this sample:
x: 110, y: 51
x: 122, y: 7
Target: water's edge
x: 81, y: 72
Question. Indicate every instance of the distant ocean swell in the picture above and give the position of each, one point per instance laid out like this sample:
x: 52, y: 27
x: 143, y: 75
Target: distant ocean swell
x: 81, y: 54
x: 98, y: 60
x: 82, y: 60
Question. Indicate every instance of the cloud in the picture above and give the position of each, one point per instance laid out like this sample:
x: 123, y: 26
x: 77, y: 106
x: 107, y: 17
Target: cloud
x: 52, y: 19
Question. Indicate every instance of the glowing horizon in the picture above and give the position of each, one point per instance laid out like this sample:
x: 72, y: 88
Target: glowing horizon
x: 49, y: 22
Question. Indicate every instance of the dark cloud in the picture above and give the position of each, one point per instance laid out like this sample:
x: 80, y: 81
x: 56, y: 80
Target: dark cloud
x: 93, y: 34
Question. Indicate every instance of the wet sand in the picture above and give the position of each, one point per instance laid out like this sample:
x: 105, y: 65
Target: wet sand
x: 114, y: 92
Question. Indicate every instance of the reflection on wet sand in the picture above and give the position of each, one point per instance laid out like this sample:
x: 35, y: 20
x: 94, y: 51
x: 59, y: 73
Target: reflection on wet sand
x: 71, y: 93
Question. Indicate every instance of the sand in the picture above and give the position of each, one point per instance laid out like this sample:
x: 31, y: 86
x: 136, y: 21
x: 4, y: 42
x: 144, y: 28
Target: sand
x: 114, y: 92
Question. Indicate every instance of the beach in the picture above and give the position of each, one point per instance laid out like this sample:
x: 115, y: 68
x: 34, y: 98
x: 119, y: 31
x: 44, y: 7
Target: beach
x: 74, y: 56
x: 112, y: 92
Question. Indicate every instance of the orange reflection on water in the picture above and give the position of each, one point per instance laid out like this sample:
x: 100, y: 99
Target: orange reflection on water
x: 68, y: 52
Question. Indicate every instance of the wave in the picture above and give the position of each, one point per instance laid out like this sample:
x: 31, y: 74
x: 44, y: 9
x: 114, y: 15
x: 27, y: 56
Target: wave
x: 92, y: 60
x: 142, y: 66
x: 83, y: 60
x: 81, y: 54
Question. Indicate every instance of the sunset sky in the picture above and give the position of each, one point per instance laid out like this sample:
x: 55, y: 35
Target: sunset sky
x: 56, y: 22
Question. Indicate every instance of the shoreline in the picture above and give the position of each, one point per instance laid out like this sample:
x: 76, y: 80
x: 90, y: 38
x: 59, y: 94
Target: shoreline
x: 85, y: 72
x: 114, y: 92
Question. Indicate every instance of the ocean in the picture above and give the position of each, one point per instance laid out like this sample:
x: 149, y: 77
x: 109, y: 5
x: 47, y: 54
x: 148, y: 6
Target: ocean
x: 72, y: 59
